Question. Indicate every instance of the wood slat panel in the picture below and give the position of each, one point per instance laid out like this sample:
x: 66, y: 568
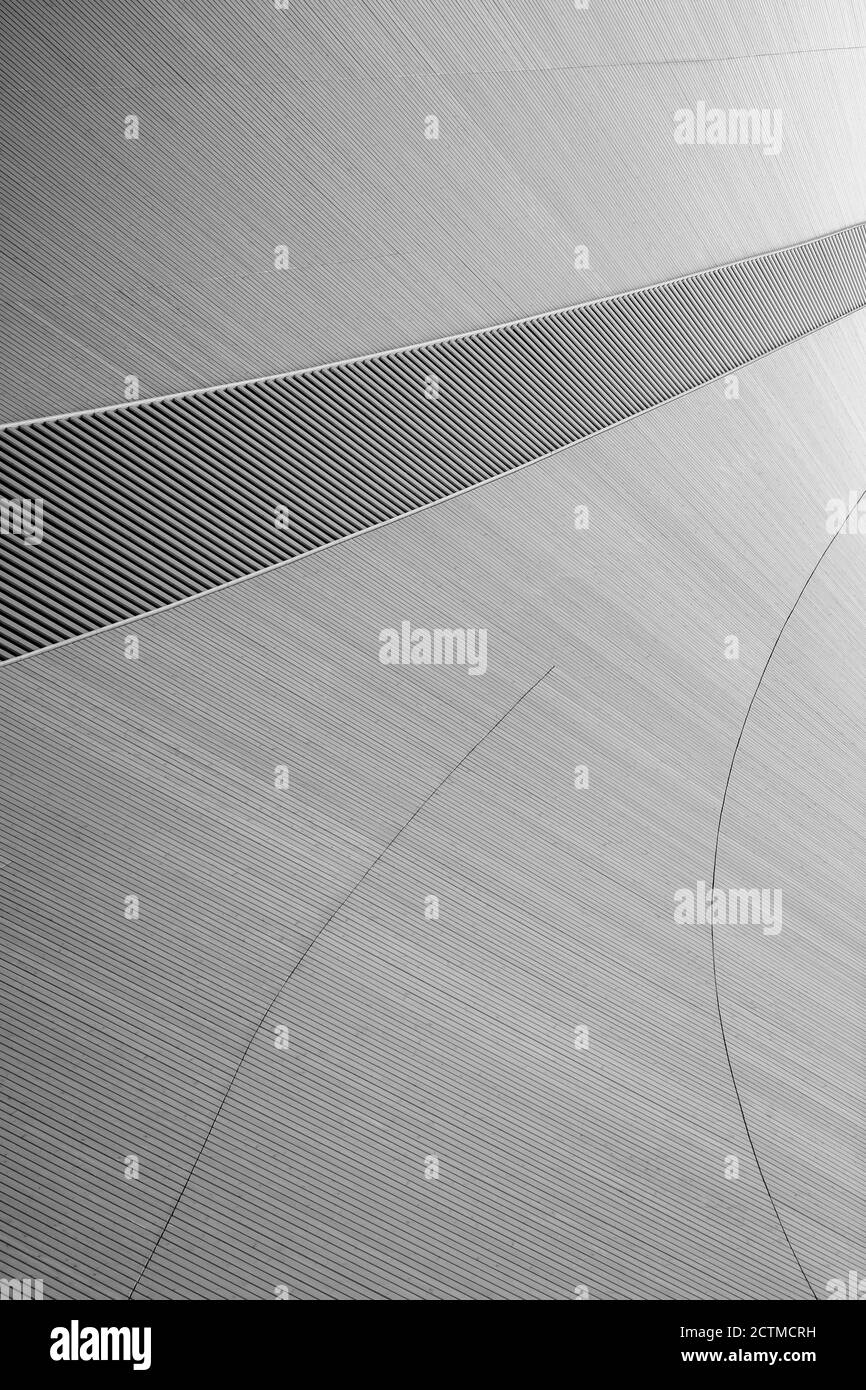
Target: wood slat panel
x: 410, y: 1037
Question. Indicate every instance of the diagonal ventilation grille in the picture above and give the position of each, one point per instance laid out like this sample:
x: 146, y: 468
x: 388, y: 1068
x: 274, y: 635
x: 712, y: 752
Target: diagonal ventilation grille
x: 149, y: 503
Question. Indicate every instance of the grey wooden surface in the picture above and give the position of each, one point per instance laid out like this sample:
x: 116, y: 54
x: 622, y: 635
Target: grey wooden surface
x: 304, y: 128
x: 408, y: 1037
x: 149, y: 503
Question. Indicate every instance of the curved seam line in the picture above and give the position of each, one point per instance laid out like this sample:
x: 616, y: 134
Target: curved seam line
x: 654, y: 62
x: 436, y: 501
x: 818, y: 562
x: 310, y: 946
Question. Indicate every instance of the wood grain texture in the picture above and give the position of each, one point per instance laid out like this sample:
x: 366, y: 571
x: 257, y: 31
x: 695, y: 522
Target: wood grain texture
x: 408, y: 1037
x: 150, y: 503
x: 304, y: 128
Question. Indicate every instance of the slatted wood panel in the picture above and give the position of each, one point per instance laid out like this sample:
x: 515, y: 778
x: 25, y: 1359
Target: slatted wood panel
x: 304, y: 127
x: 147, y: 505
x: 410, y: 1038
